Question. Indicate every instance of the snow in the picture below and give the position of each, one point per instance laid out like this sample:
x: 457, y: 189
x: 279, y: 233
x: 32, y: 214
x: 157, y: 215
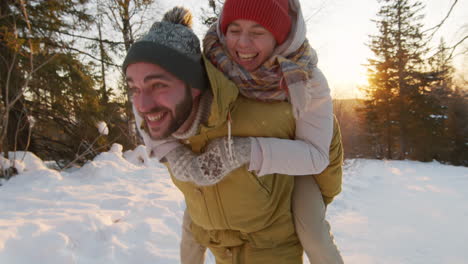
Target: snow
x: 402, y: 212
x: 438, y: 116
x: 123, y: 208
x: 102, y: 128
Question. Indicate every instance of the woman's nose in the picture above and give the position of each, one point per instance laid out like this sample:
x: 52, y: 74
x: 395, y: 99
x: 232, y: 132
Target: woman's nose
x: 244, y: 40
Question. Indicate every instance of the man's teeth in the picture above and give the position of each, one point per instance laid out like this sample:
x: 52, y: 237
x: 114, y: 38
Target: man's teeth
x: 246, y: 56
x: 155, y: 117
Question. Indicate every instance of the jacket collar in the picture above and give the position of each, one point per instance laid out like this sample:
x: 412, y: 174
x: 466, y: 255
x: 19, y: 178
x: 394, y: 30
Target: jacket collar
x: 224, y: 92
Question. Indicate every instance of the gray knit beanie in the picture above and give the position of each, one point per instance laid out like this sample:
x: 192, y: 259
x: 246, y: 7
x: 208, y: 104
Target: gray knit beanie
x: 172, y: 45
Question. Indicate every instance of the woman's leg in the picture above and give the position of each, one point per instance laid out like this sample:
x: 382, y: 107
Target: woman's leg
x: 190, y: 251
x: 312, y: 228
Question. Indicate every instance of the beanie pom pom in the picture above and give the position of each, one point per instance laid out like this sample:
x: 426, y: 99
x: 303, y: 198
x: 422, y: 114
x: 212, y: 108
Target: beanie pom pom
x: 179, y: 15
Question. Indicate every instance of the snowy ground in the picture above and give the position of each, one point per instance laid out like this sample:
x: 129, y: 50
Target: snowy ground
x: 123, y: 208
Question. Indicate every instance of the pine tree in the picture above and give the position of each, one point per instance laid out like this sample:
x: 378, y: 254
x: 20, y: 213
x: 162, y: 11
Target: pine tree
x: 433, y: 108
x: 400, y: 106
x: 381, y: 119
x: 458, y: 124
x: 42, y: 68
x: 455, y: 94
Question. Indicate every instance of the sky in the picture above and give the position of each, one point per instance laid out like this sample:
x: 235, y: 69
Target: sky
x: 339, y: 29
x: 122, y: 208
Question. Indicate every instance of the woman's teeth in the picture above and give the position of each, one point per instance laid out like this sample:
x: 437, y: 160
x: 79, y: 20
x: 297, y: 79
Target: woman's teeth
x: 246, y: 56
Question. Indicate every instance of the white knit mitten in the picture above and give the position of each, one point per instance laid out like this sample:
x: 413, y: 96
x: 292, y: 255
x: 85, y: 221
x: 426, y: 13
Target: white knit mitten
x: 213, y: 165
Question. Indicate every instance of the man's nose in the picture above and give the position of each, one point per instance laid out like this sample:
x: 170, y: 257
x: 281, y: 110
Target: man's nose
x: 147, y: 102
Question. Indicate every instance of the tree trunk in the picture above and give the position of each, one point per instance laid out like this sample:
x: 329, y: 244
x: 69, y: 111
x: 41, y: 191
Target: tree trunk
x: 104, y: 93
x: 15, y: 132
x: 128, y: 41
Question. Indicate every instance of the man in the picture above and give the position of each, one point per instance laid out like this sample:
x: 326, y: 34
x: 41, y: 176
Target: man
x: 243, y: 218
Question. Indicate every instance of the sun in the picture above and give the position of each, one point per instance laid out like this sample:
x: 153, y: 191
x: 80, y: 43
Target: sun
x: 345, y: 76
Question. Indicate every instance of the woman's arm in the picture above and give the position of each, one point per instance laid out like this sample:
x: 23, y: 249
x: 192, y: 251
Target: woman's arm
x: 309, y: 153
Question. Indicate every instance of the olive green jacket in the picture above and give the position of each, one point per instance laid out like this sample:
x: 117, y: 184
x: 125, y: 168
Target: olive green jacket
x: 243, y: 208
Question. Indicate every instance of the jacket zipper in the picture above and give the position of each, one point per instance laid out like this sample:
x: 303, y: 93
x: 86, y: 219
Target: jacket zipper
x: 206, y: 206
x: 221, y: 208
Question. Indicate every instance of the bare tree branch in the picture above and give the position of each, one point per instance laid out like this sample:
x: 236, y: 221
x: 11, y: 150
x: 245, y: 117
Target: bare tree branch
x: 27, y: 79
x: 451, y: 49
x: 87, y: 38
x: 316, y: 12
x: 114, y: 18
x: 90, y: 55
x: 435, y: 28
x: 454, y: 47
x: 84, y: 153
x: 443, y: 20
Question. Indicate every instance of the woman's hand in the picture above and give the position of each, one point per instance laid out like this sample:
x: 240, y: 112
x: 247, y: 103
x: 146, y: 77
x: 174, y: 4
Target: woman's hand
x: 213, y: 165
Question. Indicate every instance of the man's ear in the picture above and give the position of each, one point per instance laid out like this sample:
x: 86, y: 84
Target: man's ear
x: 195, y: 92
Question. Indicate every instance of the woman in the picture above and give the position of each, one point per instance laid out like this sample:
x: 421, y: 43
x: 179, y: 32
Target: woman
x: 261, y: 46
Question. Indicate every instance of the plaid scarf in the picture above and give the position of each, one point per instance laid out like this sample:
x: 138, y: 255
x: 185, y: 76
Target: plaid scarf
x: 270, y: 81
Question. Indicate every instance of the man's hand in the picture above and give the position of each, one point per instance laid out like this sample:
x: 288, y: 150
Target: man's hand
x: 213, y: 165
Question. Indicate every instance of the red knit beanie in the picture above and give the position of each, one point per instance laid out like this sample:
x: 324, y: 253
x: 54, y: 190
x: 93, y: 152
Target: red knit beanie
x: 271, y: 14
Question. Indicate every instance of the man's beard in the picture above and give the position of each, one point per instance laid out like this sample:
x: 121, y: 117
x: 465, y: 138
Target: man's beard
x: 177, y: 118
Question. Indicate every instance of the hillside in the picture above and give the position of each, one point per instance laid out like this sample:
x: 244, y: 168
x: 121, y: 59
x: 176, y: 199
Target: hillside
x: 122, y: 208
